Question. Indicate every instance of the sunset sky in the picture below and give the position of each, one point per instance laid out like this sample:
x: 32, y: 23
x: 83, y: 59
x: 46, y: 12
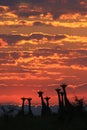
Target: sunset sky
x: 43, y: 43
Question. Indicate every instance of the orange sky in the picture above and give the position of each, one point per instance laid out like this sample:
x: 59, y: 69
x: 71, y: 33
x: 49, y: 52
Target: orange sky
x: 42, y: 44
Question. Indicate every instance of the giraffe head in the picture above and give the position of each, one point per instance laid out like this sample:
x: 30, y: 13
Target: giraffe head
x: 23, y: 98
x: 40, y: 93
x: 29, y: 99
x: 63, y: 85
x: 47, y: 98
x: 58, y: 90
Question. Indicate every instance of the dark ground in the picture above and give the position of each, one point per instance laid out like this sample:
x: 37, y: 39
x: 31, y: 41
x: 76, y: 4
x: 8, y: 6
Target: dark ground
x: 53, y: 122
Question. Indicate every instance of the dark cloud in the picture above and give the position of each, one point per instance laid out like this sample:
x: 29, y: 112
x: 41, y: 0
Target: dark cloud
x: 13, y: 39
x: 4, y: 55
x: 38, y: 23
x: 15, y: 55
x: 46, y: 52
x: 49, y: 37
x: 6, y: 61
x: 55, y: 7
x: 27, y: 13
x: 82, y: 52
x: 58, y: 37
x: 10, y: 3
x: 77, y: 61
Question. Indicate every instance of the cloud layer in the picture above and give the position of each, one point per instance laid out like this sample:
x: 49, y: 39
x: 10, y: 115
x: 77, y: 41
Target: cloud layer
x: 27, y: 8
x: 42, y: 44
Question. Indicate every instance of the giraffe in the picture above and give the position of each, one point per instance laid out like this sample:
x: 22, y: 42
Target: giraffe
x: 23, y: 101
x: 29, y: 103
x: 62, y: 98
x: 59, y: 98
x: 47, y: 103
x: 47, y: 100
x: 68, y: 105
x: 62, y: 101
x: 44, y: 107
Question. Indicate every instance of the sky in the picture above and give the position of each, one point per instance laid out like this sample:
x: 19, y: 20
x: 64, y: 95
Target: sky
x: 43, y: 43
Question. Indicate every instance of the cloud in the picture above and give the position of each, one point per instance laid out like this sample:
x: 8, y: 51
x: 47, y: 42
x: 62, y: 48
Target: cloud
x: 79, y: 67
x: 39, y: 23
x: 4, y: 8
x: 13, y: 39
x: 78, y: 90
x: 82, y: 88
x: 15, y: 55
x: 42, y: 54
x: 49, y: 37
x: 2, y: 43
x: 82, y: 61
x: 4, y: 55
x: 28, y: 8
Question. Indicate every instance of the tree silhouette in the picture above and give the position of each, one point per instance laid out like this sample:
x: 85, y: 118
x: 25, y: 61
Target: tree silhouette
x: 79, y: 104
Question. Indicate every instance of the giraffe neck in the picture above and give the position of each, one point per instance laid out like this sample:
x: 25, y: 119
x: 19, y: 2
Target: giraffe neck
x: 62, y: 100
x: 66, y: 99
x: 59, y: 98
x: 47, y: 103
x: 65, y: 95
x: 23, y: 103
x: 42, y: 101
x: 29, y: 104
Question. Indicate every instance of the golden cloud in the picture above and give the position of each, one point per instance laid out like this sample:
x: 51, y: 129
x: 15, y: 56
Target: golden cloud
x: 70, y: 16
x: 2, y: 43
x: 79, y: 67
x: 66, y: 20
x: 76, y: 39
x: 4, y: 8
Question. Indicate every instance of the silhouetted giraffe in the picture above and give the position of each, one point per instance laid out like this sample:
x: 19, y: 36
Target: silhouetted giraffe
x: 47, y: 103
x: 47, y: 100
x: 62, y: 98
x: 29, y: 103
x: 44, y: 107
x: 68, y: 105
x: 23, y: 101
x: 62, y: 102
x: 59, y: 98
